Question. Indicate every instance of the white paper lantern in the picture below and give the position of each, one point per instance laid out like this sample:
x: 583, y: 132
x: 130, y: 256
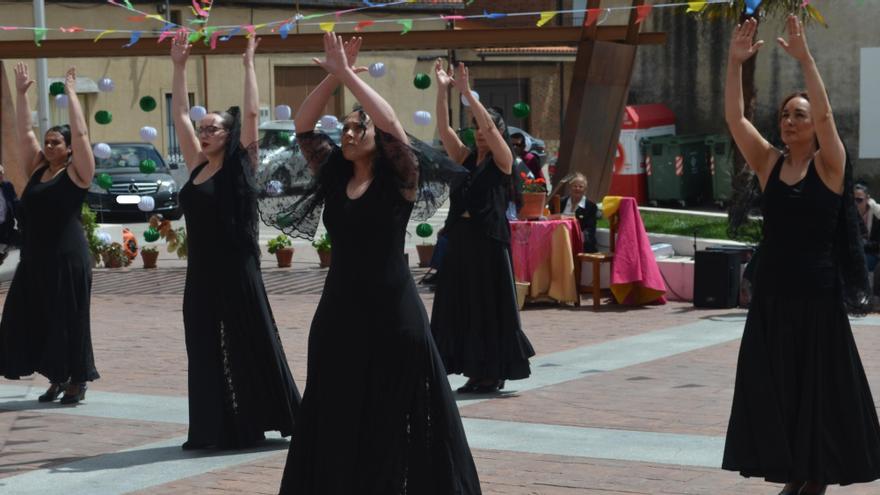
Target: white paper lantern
x: 106, y: 85
x: 274, y: 188
x: 104, y: 237
x: 464, y: 100
x: 62, y: 101
x: 422, y: 117
x: 147, y: 203
x: 148, y: 134
x: 329, y: 122
x: 102, y: 151
x: 197, y: 113
x: 283, y: 112
x: 377, y: 69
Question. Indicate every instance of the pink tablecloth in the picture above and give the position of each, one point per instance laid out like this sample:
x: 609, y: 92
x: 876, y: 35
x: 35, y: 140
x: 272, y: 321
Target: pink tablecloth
x: 531, y: 243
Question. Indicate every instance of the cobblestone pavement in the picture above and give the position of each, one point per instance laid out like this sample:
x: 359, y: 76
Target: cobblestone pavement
x: 622, y: 401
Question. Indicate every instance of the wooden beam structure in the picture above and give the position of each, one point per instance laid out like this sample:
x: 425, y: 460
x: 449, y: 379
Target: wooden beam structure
x: 312, y: 43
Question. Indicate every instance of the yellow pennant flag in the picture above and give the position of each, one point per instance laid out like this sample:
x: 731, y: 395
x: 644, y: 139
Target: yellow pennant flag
x: 545, y: 18
x: 103, y: 33
x: 696, y: 6
x: 327, y: 26
x: 156, y: 17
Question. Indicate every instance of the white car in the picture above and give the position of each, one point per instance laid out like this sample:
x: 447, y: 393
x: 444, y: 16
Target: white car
x: 280, y: 155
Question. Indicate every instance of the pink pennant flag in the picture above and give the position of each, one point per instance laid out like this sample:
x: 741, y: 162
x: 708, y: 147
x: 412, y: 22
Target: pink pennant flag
x: 214, y: 37
x: 453, y: 17
x: 251, y: 29
x: 642, y: 12
x: 8, y: 28
x: 363, y: 25
x: 167, y: 34
x: 199, y: 10
x: 71, y: 29
x: 592, y: 16
x: 806, y: 2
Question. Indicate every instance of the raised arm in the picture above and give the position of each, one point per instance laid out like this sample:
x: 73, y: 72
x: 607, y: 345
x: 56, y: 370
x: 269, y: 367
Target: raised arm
x: 456, y: 150
x: 374, y: 105
x: 183, y: 128
x: 251, y: 117
x: 501, y: 153
x: 28, y: 143
x: 83, y: 163
x: 759, y: 154
x: 831, y: 149
x: 310, y: 110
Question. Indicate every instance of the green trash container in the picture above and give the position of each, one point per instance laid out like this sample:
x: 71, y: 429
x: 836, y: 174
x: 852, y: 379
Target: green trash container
x: 677, y: 169
x: 720, y: 150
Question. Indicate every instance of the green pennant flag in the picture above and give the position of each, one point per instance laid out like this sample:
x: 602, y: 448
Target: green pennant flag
x: 39, y: 36
x: 407, y: 25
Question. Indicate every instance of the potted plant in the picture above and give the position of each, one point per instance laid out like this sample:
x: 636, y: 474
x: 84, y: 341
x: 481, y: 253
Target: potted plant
x: 90, y: 227
x: 322, y: 245
x: 282, y: 248
x: 425, y: 250
x: 534, y: 197
x: 115, y: 257
x: 174, y: 238
x: 149, y: 255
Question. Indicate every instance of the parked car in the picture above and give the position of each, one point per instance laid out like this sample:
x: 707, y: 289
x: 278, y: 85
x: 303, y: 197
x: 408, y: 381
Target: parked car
x: 280, y: 155
x: 533, y: 144
x: 130, y: 184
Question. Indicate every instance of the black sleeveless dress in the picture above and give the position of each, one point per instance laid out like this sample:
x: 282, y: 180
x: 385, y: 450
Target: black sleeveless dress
x: 475, y: 318
x: 239, y: 382
x: 378, y: 416
x: 802, y: 409
x: 45, y: 326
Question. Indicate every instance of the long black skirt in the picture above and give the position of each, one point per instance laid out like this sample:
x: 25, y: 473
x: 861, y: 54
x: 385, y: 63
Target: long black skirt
x: 475, y: 319
x: 802, y: 409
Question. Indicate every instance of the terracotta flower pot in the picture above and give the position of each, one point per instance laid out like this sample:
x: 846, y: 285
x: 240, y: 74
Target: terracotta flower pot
x: 149, y: 258
x: 325, y: 258
x: 111, y: 261
x: 426, y: 251
x: 284, y: 257
x: 533, y: 205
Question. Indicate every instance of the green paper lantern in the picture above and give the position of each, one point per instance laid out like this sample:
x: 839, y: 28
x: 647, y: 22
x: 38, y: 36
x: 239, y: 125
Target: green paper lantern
x: 105, y: 180
x: 148, y: 166
x: 521, y: 110
x: 148, y: 103
x: 422, y: 81
x: 56, y: 88
x: 468, y: 137
x: 151, y: 235
x: 424, y: 230
x: 103, y: 117
x: 283, y: 220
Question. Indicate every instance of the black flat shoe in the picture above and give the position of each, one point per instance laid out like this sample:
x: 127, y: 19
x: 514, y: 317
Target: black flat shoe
x: 468, y: 388
x: 793, y: 488
x: 53, y: 392
x: 75, y: 398
x: 490, y: 388
x: 810, y: 489
x: 190, y: 445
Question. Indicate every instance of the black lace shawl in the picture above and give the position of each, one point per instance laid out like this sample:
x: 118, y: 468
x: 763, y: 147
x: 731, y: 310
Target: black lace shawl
x: 292, y: 182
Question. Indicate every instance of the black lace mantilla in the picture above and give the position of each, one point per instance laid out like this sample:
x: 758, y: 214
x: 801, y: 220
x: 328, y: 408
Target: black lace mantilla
x: 292, y: 181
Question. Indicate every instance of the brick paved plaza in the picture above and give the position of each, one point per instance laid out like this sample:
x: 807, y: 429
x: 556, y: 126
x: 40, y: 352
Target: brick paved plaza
x: 624, y: 401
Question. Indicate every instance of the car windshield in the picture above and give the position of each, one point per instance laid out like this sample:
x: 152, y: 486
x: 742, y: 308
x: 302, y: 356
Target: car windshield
x: 278, y: 138
x: 129, y: 156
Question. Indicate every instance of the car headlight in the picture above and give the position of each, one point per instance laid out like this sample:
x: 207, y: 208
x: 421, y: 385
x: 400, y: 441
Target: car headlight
x: 166, y: 186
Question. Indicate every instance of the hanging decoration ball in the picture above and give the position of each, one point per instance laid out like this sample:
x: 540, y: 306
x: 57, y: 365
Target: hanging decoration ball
x: 377, y: 69
x: 146, y: 204
x: 56, y: 88
x: 274, y: 188
x: 104, y: 237
x: 102, y: 151
x: 105, y: 181
x: 283, y: 112
x: 464, y: 100
x: 468, y: 137
x: 284, y: 220
x: 149, y: 134
x: 521, y: 110
x: 197, y: 113
x: 148, y: 166
x: 151, y: 234
x: 422, y: 81
x: 103, y: 117
x: 106, y: 85
x: 422, y: 117
x: 424, y: 230
x: 148, y: 103
x: 329, y: 122
x: 62, y: 101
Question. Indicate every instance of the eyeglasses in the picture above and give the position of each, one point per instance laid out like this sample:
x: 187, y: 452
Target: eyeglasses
x: 209, y: 130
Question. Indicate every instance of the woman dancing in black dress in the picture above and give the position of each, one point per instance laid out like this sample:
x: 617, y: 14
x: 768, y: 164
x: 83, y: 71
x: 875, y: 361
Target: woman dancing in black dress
x: 802, y: 411
x: 475, y: 319
x: 46, y: 325
x: 240, y: 385
x: 377, y: 416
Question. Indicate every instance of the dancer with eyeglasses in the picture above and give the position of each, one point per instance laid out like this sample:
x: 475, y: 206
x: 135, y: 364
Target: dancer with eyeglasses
x: 240, y: 384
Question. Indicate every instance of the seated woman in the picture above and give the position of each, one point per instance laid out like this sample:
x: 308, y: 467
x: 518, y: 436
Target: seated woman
x: 577, y: 204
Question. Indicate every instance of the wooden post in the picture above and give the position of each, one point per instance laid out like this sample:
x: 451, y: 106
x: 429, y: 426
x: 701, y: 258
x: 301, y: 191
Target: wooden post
x: 8, y: 138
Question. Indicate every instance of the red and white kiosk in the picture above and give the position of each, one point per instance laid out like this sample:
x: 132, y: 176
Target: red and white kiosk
x: 639, y: 121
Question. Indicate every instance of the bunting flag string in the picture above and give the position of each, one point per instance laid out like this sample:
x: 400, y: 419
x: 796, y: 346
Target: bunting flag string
x: 592, y: 16
x: 642, y: 12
